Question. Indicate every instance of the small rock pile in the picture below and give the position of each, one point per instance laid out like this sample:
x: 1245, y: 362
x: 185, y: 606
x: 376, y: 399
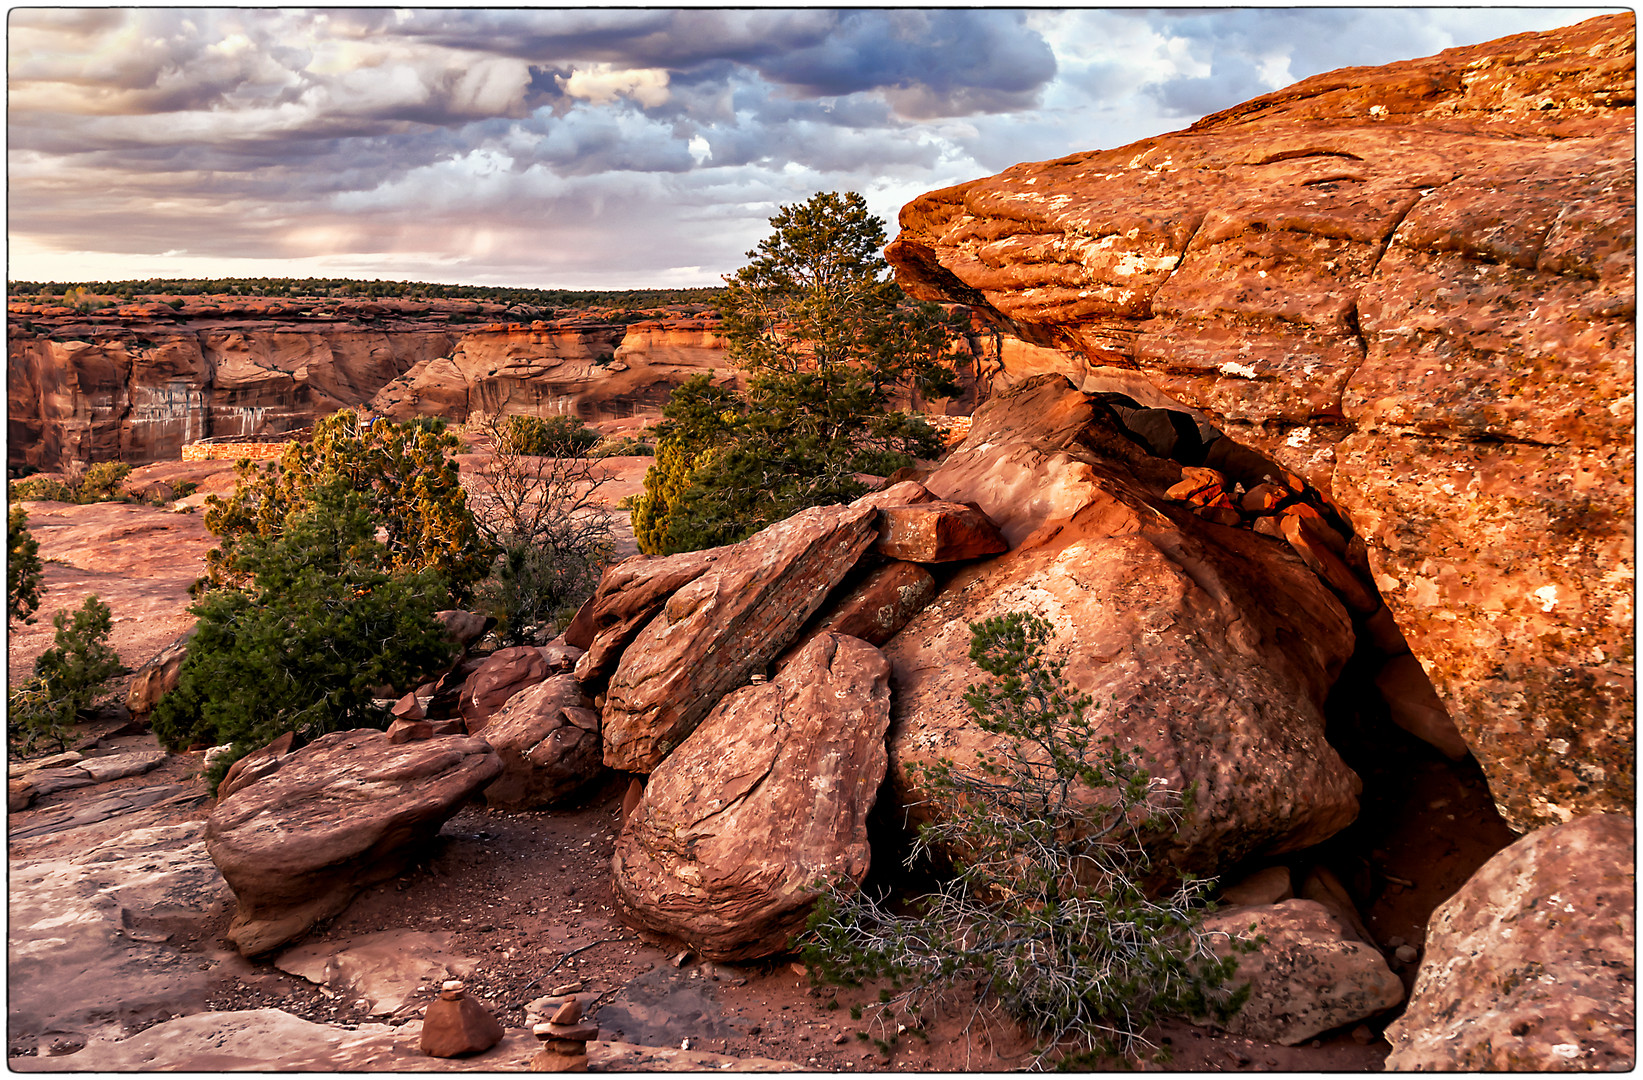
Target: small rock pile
x: 565, y: 1037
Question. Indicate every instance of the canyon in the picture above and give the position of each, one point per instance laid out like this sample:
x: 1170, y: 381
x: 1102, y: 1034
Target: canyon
x: 1310, y: 429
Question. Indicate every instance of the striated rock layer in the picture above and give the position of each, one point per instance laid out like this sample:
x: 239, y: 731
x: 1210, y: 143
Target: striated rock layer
x: 1412, y: 285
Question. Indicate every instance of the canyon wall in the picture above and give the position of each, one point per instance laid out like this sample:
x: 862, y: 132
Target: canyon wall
x: 1412, y: 285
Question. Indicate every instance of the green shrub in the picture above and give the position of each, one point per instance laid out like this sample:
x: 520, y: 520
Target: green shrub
x: 623, y: 446
x: 1048, y: 906
x: 24, y: 571
x: 550, y: 436
x: 405, y: 476
x: 67, y: 678
x: 321, y: 625
x: 102, y: 482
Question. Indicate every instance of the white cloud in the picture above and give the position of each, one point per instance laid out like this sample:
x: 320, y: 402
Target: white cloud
x: 601, y: 84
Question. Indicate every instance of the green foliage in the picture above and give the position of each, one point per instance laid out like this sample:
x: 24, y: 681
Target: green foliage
x: 404, y: 474
x: 298, y: 288
x: 553, y: 436
x: 828, y: 341
x: 102, y: 482
x: 322, y: 623
x: 698, y: 417
x: 24, y: 571
x: 67, y: 678
x: 1048, y: 906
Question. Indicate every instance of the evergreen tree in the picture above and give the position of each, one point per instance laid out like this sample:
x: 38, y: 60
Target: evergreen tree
x: 24, y: 571
x: 67, y: 678
x: 828, y: 340
x: 322, y: 623
x: 402, y: 471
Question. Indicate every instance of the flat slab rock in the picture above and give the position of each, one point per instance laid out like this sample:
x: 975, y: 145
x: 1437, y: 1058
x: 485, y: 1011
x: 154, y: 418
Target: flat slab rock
x: 768, y: 796
x: 726, y: 624
x: 1532, y: 965
x: 384, y: 968
x: 343, y: 812
x: 272, y: 1040
x: 85, y: 933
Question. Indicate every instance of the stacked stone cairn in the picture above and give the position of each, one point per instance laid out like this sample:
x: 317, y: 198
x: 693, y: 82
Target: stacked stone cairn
x: 565, y: 1039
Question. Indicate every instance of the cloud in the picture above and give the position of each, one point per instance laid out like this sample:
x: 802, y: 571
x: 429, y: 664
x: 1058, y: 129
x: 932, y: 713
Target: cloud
x: 598, y: 147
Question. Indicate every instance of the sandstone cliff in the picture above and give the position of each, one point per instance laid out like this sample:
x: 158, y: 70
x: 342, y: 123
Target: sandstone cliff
x: 1414, y: 286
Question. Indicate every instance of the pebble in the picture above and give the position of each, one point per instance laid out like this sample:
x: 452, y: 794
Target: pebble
x: 1393, y: 942
x: 1407, y: 953
x: 1362, y: 1035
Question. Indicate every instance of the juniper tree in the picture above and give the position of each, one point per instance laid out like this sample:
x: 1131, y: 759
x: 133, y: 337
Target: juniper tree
x: 1048, y: 907
x: 828, y: 341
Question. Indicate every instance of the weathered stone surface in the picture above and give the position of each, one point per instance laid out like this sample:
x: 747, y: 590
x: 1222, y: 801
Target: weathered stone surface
x: 255, y: 765
x: 548, y: 739
x: 936, y: 532
x: 463, y: 627
x: 384, y: 969
x: 1414, y: 286
x: 629, y: 595
x: 1308, y: 976
x: 769, y: 795
x: 157, y: 678
x: 729, y: 622
x: 1531, y: 966
x: 1414, y: 706
x: 1208, y: 650
x: 458, y: 1026
x: 272, y: 1040
x: 1267, y: 886
x: 881, y: 604
x: 343, y: 812
x: 503, y: 674
x: 85, y: 930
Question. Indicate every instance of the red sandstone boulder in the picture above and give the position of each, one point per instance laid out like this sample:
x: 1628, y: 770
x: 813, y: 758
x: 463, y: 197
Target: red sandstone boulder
x: 344, y: 812
x: 157, y: 678
x: 1308, y: 976
x: 728, y: 623
x: 464, y: 627
x: 629, y: 596
x: 936, y: 532
x: 548, y: 739
x: 880, y: 604
x: 1413, y: 285
x: 767, y: 797
x: 1532, y: 965
x: 503, y: 674
x: 255, y: 765
x: 1209, y: 650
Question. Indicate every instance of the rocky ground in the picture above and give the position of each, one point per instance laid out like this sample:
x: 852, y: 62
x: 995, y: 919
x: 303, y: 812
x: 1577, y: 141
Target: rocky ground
x: 519, y: 904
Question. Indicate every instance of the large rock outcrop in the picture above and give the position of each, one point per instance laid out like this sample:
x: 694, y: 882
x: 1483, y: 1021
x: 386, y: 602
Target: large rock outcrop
x: 1532, y: 965
x: 344, y: 812
x: 728, y: 623
x: 548, y: 739
x: 769, y: 796
x: 1208, y: 649
x: 1412, y: 285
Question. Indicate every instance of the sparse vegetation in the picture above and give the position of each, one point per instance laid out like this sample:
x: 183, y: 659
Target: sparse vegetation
x: 101, y: 482
x: 1046, y: 909
x: 67, y: 678
x: 827, y: 338
x: 24, y: 571
x: 542, y: 513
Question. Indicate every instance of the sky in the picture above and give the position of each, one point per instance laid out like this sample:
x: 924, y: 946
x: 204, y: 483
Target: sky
x: 591, y: 148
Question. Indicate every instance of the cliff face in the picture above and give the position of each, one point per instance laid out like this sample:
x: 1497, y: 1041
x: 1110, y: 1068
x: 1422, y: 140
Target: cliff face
x: 596, y: 369
x: 1412, y: 285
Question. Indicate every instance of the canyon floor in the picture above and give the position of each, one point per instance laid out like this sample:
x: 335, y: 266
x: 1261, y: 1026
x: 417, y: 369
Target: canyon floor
x: 521, y: 903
